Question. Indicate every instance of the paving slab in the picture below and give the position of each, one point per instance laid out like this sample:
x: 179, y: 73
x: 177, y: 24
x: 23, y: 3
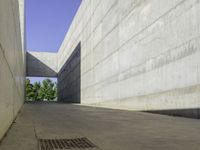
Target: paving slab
x: 108, y: 129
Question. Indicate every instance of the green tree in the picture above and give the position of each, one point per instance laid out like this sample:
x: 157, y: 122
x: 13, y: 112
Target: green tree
x: 29, y: 90
x: 48, y: 90
x: 39, y: 92
x: 36, y: 89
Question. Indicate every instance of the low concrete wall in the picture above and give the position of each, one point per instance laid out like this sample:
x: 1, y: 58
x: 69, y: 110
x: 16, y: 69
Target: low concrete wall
x: 12, y: 61
x: 41, y: 64
x: 133, y: 49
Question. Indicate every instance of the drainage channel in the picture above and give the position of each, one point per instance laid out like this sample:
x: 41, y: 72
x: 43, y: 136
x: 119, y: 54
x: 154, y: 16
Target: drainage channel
x: 66, y: 144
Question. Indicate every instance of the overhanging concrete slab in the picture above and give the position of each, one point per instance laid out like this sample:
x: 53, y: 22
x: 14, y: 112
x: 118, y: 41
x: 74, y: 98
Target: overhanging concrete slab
x: 41, y: 64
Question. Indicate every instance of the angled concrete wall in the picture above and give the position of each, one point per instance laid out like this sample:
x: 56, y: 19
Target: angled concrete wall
x: 41, y: 64
x: 139, y: 55
x: 12, y: 61
x: 69, y: 78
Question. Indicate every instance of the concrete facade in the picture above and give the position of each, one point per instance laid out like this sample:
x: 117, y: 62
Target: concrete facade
x: 138, y: 55
x: 12, y: 61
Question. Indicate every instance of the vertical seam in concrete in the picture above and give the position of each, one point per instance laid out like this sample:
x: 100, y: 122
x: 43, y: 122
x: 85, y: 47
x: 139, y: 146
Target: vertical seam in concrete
x: 2, y: 50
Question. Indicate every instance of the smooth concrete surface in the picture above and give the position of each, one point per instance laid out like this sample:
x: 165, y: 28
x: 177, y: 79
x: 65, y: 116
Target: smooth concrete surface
x: 109, y: 129
x: 69, y: 83
x: 12, y: 62
x: 142, y: 55
x: 41, y: 64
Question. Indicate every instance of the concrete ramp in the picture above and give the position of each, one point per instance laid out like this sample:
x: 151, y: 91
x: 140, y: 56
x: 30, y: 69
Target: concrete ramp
x: 41, y: 64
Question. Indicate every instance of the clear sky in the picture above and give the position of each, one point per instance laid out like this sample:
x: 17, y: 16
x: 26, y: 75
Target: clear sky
x: 40, y: 79
x: 47, y: 22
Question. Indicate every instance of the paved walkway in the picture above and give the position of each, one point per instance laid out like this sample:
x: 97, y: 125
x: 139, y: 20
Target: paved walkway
x: 108, y: 129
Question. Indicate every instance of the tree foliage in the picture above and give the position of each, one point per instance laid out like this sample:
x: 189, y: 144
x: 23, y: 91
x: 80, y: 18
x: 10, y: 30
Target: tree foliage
x: 45, y: 91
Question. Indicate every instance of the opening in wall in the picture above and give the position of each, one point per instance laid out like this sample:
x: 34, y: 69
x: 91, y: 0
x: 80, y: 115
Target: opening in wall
x: 41, y: 89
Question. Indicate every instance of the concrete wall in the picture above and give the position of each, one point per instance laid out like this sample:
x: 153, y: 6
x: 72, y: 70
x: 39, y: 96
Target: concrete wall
x: 69, y: 78
x: 41, y: 64
x: 12, y: 62
x: 138, y: 54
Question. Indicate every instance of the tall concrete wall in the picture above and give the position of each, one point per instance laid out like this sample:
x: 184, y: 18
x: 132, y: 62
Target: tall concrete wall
x: 41, y: 64
x: 69, y: 78
x: 12, y: 62
x: 138, y: 54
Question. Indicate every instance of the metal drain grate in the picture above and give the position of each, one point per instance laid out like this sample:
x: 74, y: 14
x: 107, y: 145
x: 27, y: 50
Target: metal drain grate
x: 64, y: 144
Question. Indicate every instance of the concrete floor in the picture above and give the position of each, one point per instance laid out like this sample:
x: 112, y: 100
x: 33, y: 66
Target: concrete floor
x: 108, y: 129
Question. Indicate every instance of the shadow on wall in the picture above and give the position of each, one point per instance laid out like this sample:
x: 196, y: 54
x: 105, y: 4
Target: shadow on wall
x: 69, y: 80
x: 36, y: 68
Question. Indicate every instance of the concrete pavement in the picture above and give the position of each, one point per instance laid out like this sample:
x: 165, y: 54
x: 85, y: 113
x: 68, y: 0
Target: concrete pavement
x: 107, y: 128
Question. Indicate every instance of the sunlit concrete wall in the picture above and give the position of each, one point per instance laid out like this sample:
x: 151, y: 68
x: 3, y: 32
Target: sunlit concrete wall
x: 12, y: 61
x: 138, y: 54
x: 41, y: 64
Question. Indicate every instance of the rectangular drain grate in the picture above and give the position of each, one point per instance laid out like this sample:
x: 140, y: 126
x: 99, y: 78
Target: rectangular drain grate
x: 65, y: 144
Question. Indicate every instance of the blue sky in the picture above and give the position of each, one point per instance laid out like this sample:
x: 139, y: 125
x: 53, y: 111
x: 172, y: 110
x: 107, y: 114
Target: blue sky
x: 40, y: 79
x: 47, y: 22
